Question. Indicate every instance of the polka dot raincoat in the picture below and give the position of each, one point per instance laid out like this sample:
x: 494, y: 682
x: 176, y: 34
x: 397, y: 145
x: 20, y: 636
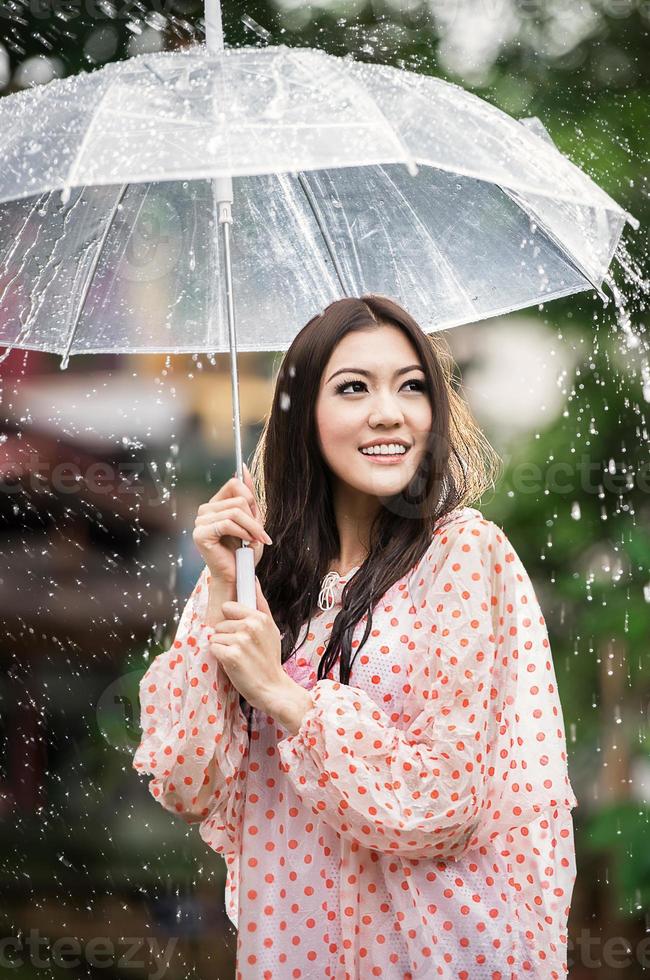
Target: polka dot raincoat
x: 418, y: 825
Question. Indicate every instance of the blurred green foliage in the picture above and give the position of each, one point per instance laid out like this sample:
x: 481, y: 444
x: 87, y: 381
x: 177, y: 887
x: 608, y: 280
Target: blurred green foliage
x: 622, y: 830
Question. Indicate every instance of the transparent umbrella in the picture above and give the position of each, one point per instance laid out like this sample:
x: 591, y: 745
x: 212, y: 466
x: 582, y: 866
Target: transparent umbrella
x: 118, y: 190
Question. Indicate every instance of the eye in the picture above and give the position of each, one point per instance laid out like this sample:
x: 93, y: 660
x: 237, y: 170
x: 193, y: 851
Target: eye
x: 346, y: 384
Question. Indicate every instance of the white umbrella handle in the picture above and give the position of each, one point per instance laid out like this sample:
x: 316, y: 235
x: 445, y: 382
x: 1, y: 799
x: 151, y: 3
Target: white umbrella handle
x: 245, y: 563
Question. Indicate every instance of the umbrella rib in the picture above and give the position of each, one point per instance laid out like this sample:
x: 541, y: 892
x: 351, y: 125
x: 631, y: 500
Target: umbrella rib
x: 393, y: 132
x: 74, y: 166
x: 243, y: 127
x: 569, y: 258
x: 324, y: 232
x: 91, y: 273
x: 443, y: 261
x: 169, y: 90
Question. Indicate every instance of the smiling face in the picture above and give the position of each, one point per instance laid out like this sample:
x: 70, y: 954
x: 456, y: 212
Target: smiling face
x: 373, y: 390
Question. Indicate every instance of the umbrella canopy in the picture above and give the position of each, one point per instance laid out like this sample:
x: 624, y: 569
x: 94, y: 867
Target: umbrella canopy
x: 347, y: 177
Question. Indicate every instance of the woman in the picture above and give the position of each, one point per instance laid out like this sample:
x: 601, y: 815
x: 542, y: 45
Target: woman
x: 399, y: 805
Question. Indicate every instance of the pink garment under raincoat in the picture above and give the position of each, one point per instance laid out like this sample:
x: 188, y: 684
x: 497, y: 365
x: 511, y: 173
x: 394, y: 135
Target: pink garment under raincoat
x: 418, y: 825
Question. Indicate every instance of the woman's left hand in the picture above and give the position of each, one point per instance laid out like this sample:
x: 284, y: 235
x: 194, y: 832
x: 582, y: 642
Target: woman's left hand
x: 247, y: 644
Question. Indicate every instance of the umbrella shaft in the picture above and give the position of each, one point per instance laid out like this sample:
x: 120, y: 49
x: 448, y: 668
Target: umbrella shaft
x: 225, y: 219
x: 213, y: 25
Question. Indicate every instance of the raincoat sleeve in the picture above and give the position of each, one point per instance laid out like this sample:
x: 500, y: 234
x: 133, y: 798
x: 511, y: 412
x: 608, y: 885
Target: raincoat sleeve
x: 194, y: 733
x: 481, y: 749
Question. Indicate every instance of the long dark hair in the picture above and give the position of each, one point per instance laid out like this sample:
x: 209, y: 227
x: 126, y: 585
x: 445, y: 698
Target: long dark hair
x: 294, y: 484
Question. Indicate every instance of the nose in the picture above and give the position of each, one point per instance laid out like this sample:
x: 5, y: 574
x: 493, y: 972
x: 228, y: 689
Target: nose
x: 385, y: 411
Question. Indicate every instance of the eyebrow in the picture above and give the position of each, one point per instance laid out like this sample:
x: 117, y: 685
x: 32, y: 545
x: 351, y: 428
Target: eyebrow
x: 369, y: 374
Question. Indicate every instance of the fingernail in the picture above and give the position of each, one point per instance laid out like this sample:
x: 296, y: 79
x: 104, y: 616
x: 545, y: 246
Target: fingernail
x: 268, y: 539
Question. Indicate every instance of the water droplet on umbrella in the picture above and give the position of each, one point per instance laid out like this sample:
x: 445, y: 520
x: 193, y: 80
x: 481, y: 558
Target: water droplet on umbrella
x: 257, y: 28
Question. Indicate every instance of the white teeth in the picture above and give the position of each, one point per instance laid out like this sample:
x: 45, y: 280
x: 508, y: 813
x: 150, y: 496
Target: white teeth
x: 390, y: 449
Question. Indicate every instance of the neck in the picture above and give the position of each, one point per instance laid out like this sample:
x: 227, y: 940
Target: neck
x: 354, y: 514
x: 343, y: 567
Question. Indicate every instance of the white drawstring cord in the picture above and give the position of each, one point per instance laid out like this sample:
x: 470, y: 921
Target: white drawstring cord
x: 326, y: 594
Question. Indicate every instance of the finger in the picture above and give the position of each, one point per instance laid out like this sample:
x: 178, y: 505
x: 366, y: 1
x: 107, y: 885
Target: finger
x: 234, y: 487
x: 225, y: 639
x: 248, y: 480
x: 232, y: 609
x: 262, y: 604
x: 226, y: 626
x: 240, y: 525
x: 226, y: 505
x: 223, y: 651
x: 215, y: 531
x: 210, y: 516
x: 226, y: 491
x: 245, y: 528
x: 241, y: 514
x: 240, y: 489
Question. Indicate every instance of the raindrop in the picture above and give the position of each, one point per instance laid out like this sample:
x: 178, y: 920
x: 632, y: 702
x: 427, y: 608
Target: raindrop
x: 156, y: 20
x: 256, y: 28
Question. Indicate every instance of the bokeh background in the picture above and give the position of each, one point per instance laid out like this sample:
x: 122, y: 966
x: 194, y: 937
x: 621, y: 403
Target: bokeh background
x: 103, y: 465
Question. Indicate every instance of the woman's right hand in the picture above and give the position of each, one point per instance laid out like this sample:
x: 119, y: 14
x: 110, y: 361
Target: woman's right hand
x: 227, y: 519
